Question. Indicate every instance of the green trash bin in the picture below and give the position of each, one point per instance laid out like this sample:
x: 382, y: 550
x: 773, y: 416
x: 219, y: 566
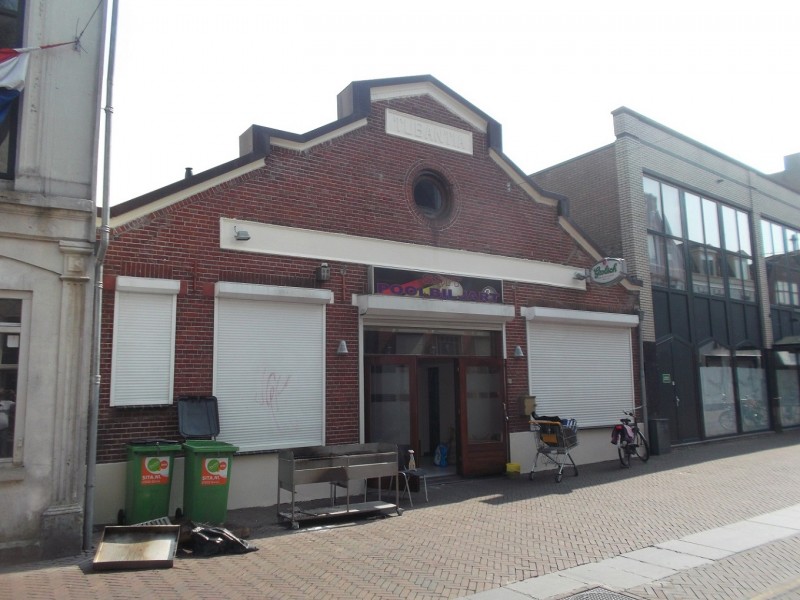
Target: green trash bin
x: 206, y: 479
x: 149, y: 480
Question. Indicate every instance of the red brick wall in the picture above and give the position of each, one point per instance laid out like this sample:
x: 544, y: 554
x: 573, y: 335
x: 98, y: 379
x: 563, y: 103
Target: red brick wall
x: 358, y: 184
x: 590, y: 183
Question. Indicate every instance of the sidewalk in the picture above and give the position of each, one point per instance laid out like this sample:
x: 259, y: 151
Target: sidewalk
x: 748, y: 559
x: 503, y: 538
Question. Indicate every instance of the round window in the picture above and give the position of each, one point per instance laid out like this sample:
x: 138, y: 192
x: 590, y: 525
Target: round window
x: 431, y: 196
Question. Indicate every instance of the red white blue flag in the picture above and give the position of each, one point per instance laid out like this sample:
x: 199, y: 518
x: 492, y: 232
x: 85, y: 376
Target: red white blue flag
x: 13, y: 70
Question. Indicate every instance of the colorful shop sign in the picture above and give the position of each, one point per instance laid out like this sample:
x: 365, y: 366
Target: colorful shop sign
x: 435, y: 286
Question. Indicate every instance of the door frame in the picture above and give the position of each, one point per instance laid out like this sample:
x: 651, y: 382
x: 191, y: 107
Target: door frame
x: 470, y: 459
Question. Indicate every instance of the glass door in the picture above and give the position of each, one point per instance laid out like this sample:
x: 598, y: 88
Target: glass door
x: 482, y: 416
x: 391, y: 399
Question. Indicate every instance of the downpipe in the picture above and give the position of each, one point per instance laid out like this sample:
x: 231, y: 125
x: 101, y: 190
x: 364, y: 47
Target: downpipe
x: 101, y: 247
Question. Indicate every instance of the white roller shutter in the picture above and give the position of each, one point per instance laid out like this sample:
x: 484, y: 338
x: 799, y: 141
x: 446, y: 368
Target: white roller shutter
x: 142, y: 359
x: 580, y: 371
x: 269, y: 370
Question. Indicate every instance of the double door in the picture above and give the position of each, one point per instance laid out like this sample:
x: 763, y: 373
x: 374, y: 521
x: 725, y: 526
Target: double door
x: 424, y: 402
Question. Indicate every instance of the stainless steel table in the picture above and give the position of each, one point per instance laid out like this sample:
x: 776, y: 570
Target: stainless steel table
x: 336, y: 465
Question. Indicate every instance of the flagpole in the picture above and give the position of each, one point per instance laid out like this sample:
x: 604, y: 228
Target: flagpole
x: 100, y: 251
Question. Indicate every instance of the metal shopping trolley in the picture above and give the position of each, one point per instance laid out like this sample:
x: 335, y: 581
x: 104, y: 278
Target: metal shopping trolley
x: 554, y: 440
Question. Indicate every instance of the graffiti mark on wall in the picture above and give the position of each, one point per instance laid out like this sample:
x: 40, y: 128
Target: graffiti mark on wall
x: 272, y: 386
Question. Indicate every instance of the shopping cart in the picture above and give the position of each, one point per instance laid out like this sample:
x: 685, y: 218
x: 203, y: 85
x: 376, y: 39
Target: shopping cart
x: 554, y: 440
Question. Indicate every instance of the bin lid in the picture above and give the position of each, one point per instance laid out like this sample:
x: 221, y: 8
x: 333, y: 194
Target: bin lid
x: 152, y: 442
x: 209, y: 447
x: 198, y: 417
x: 154, y: 445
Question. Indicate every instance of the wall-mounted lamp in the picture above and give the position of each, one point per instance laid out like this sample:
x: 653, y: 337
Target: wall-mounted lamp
x: 240, y: 235
x: 581, y: 275
x: 342, y: 349
x: 518, y: 353
x: 324, y: 274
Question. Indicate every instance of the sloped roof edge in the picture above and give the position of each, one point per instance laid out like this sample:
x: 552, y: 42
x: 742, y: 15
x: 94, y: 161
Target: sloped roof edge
x: 183, y: 184
x: 354, y: 105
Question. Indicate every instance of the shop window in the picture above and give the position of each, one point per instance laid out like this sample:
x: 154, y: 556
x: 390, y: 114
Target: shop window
x: 716, y: 387
x: 752, y: 381
x: 143, y: 357
x: 431, y: 342
x: 786, y: 373
x: 10, y: 343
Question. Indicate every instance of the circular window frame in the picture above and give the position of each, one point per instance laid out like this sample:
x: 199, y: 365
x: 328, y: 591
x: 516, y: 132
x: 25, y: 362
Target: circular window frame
x: 432, y: 197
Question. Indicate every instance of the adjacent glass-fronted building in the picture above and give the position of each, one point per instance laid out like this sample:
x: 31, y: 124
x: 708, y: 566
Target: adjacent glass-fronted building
x: 715, y: 243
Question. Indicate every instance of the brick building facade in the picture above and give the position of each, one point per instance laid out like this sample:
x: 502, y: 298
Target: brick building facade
x: 247, y: 281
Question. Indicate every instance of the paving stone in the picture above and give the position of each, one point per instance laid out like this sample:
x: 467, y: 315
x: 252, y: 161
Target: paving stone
x: 487, y: 534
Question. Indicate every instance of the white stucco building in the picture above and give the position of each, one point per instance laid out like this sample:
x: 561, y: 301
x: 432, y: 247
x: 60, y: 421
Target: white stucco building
x: 48, y: 150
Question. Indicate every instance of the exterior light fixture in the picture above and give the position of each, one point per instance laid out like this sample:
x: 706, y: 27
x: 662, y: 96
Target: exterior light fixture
x: 342, y: 349
x: 240, y: 235
x: 324, y: 274
x: 518, y: 353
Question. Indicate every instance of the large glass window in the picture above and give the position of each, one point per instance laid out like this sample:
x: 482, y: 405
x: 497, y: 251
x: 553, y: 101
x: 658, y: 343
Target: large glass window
x: 781, y: 248
x: 711, y: 223
x: 677, y: 264
x: 694, y: 218
x: 717, y: 238
x: 672, y: 211
x: 431, y: 342
x: 658, y: 260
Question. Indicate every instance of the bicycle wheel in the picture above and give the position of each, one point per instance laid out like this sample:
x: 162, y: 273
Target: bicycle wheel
x: 642, y: 448
x: 624, y: 456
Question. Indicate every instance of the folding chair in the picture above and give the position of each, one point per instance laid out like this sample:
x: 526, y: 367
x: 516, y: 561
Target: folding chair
x: 405, y: 474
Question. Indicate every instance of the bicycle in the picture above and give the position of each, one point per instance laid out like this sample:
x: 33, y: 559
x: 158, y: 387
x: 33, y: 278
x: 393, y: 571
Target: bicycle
x: 629, y: 440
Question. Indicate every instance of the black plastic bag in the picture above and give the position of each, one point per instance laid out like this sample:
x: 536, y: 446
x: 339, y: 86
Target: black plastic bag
x: 212, y: 541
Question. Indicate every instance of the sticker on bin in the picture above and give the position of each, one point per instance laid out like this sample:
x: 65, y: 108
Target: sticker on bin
x: 215, y: 471
x: 155, y: 470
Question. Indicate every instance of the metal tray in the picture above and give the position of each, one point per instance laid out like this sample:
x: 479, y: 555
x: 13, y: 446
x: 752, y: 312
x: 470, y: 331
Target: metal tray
x: 137, y: 547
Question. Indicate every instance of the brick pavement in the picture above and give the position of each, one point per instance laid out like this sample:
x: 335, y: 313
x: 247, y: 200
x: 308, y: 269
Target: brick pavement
x: 480, y: 534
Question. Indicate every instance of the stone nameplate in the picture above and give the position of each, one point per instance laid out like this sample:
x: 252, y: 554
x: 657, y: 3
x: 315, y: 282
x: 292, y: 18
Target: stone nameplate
x: 428, y: 132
